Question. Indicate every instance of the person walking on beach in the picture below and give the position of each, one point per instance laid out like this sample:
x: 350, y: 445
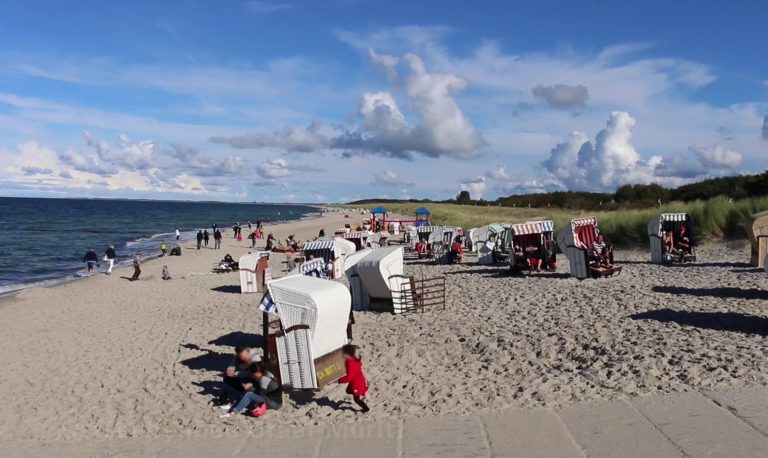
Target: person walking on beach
x: 136, y: 266
x: 357, y: 386
x: 199, y: 239
x: 110, y: 257
x: 206, y: 237
x: 178, y: 234
x: 163, y: 248
x: 217, y: 239
x: 91, y: 259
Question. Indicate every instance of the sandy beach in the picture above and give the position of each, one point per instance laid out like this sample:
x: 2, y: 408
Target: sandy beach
x: 108, y: 358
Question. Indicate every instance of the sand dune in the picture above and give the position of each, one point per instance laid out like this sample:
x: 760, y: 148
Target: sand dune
x: 106, y: 358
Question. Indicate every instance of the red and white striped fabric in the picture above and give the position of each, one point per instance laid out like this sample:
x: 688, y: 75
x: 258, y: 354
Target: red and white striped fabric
x: 584, y: 231
x: 532, y: 227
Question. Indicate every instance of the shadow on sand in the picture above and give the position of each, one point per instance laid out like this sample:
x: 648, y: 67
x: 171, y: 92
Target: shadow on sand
x: 239, y: 339
x: 717, y: 321
x: 722, y: 292
x: 231, y: 289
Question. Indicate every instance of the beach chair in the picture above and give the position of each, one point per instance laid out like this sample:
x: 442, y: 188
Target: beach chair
x: 757, y: 232
x: 333, y: 250
x: 374, y: 271
x: 670, y: 222
x: 535, y: 240
x: 576, y: 241
x: 254, y: 272
x: 305, y: 344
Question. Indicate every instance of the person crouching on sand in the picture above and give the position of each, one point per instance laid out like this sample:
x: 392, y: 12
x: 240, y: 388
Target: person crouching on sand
x: 166, y: 273
x: 264, y: 393
x: 357, y: 386
x: 136, y: 267
x: 91, y: 259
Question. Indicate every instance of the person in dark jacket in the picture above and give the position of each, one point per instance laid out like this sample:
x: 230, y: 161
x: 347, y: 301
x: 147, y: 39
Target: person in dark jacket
x: 110, y: 256
x: 206, y: 237
x: 216, y: 239
x: 264, y: 393
x: 91, y: 259
x: 199, y: 239
x: 357, y: 386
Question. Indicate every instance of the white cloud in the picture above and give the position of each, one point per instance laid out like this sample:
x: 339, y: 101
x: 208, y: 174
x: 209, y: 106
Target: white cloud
x: 765, y: 128
x: 389, y: 177
x: 500, y: 173
x: 717, y: 156
x: 562, y: 95
x: 611, y: 162
x: 442, y: 128
x: 281, y: 168
x: 290, y: 138
x: 475, y: 187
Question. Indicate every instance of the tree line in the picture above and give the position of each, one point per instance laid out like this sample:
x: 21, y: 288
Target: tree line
x: 627, y: 196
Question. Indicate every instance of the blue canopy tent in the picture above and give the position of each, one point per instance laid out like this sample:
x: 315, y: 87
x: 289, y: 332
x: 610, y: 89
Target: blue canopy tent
x: 381, y: 224
x: 422, y: 216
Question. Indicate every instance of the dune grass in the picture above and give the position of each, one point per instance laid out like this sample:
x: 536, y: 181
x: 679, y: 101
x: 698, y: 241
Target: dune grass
x: 712, y: 219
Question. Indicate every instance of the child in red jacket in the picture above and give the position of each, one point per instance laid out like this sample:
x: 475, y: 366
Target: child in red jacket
x: 357, y: 386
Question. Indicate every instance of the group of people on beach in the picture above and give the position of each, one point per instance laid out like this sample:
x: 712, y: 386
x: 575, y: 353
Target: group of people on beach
x: 91, y: 260
x: 250, y: 387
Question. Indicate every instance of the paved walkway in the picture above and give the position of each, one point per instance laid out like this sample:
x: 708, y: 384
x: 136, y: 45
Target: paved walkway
x: 731, y: 423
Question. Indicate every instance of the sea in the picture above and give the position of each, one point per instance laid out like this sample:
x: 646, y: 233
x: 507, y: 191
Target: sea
x: 42, y: 241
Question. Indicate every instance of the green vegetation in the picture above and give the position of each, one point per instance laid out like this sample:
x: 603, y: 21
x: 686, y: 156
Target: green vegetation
x: 714, y: 218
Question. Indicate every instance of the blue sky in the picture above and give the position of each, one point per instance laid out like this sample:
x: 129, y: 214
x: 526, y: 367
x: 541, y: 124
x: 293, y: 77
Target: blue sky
x: 337, y: 100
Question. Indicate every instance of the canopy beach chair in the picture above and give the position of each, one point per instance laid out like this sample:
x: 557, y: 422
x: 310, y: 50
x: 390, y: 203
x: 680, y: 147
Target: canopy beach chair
x: 669, y: 224
x: 576, y: 241
x: 490, y: 242
x: 254, y: 272
x: 425, y: 237
x: 757, y: 231
x: 304, y: 344
x: 378, y: 282
x: 332, y: 251
x: 531, y: 246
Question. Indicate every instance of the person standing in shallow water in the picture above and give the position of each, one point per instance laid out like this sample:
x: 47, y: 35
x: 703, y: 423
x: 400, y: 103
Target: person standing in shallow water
x: 91, y: 260
x: 178, y: 234
x: 206, y: 237
x: 110, y: 256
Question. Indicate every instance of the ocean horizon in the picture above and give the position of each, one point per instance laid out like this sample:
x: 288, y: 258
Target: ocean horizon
x: 46, y: 238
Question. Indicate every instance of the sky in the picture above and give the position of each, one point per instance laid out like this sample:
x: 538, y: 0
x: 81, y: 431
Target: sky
x: 333, y: 101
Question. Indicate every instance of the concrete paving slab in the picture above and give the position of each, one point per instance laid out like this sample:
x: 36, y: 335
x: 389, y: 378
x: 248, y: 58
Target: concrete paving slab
x: 370, y: 439
x: 528, y: 433
x: 614, y: 428
x: 446, y: 436
x: 749, y: 404
x: 700, y: 427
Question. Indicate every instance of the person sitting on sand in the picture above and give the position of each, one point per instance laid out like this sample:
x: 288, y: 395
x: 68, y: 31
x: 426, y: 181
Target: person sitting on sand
x: 270, y: 242
x: 230, y: 261
x: 166, y: 273
x: 176, y: 250
x: 237, y: 379
x: 91, y: 260
x: 264, y: 393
